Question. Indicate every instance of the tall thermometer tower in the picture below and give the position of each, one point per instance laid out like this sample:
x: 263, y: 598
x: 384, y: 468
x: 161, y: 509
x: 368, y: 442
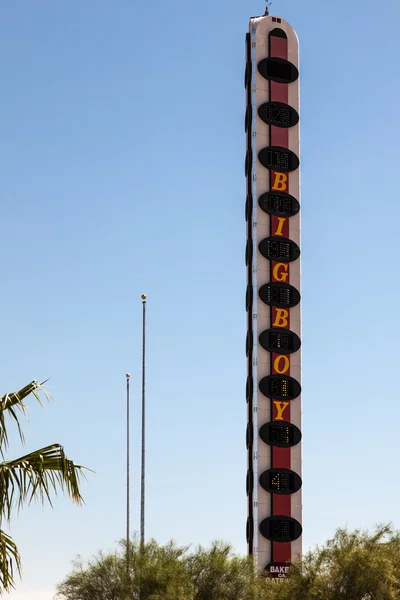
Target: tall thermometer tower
x: 273, y: 341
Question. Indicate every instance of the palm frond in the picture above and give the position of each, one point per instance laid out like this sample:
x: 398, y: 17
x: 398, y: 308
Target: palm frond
x: 9, y: 561
x: 36, y: 476
x: 9, y: 402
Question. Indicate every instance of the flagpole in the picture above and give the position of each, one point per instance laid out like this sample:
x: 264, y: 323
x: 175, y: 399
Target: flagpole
x: 127, y: 474
x: 143, y: 469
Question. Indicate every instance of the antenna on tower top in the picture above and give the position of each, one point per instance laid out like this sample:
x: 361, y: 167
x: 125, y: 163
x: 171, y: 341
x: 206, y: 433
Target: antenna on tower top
x: 267, y: 8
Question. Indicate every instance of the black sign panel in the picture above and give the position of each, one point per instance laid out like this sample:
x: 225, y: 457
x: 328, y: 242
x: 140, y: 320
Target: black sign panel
x: 279, y: 248
x: 280, y: 295
x: 249, y: 342
x: 249, y: 297
x: 249, y: 388
x: 249, y: 207
x: 280, y: 434
x: 249, y: 435
x: 249, y: 481
x: 280, y: 529
x: 248, y: 118
x: 277, y: 69
x: 248, y: 161
x: 278, y: 159
x: 279, y: 204
x: 278, y: 114
x: 282, y: 341
x: 249, y: 529
x: 280, y: 481
x: 280, y: 387
x: 247, y: 74
x: 249, y: 252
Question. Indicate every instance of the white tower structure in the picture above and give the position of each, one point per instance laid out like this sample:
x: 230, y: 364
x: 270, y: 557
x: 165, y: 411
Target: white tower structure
x: 273, y: 341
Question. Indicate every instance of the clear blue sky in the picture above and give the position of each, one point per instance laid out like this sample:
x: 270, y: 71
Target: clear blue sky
x: 122, y: 152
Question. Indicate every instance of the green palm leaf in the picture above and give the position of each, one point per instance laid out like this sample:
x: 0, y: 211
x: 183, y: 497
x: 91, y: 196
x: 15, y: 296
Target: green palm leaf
x: 9, y: 402
x: 9, y: 561
x: 36, y: 475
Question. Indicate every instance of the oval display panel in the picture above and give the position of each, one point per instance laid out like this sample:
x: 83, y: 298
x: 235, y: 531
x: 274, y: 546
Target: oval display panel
x: 280, y: 481
x: 249, y: 388
x: 247, y: 74
x: 280, y: 387
x: 249, y: 182
x: 280, y: 529
x: 277, y: 69
x: 249, y: 342
x: 248, y: 118
x: 249, y: 481
x: 278, y: 159
x: 280, y: 434
x: 278, y: 114
x: 249, y: 297
x: 280, y: 295
x: 249, y: 435
x: 247, y: 44
x: 279, y: 248
x: 282, y: 341
x: 279, y: 204
x: 249, y: 252
x: 249, y: 529
x: 249, y: 207
x: 248, y: 161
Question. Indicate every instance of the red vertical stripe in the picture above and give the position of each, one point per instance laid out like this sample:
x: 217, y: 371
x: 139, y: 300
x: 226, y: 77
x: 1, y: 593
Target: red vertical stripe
x: 281, y: 505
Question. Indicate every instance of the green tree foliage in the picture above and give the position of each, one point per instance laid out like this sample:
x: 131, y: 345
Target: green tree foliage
x: 163, y: 573
x: 359, y: 565
x: 217, y: 573
x: 158, y: 572
x: 35, y: 476
x: 155, y: 572
x: 102, y: 578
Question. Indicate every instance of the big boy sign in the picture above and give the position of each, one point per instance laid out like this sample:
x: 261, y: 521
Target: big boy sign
x: 273, y: 251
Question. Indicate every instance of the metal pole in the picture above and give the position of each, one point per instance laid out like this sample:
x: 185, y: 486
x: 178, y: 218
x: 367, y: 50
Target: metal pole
x: 143, y: 474
x: 127, y: 475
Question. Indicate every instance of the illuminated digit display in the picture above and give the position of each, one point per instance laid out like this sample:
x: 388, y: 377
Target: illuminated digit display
x: 279, y: 204
x: 278, y: 114
x: 280, y: 434
x: 276, y: 248
x: 280, y: 295
x: 280, y: 529
x: 278, y: 159
x: 273, y: 300
x: 280, y: 387
x: 280, y: 340
x: 280, y: 481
